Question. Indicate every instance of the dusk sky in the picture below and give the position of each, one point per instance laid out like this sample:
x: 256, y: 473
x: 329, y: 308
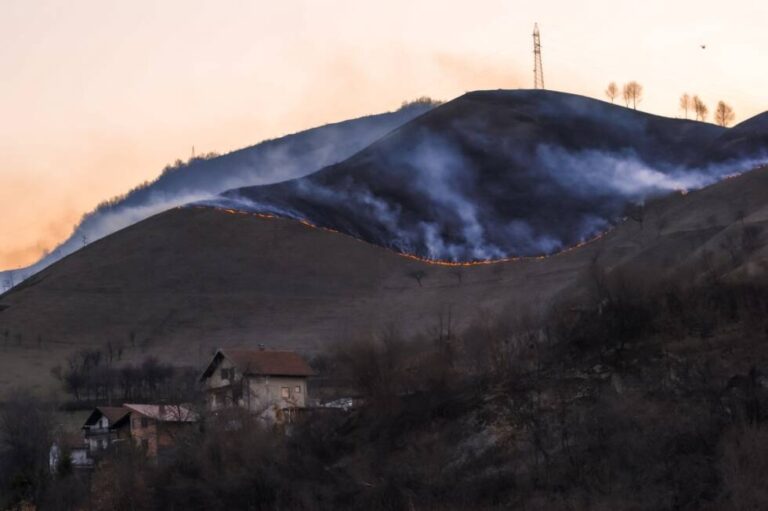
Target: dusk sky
x: 97, y: 96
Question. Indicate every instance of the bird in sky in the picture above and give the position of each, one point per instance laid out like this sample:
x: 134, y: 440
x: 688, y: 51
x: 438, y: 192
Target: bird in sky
x: 703, y: 46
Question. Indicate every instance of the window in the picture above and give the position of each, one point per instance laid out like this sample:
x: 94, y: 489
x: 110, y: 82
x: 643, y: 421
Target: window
x: 297, y: 389
x: 136, y: 423
x: 144, y: 422
x: 285, y: 392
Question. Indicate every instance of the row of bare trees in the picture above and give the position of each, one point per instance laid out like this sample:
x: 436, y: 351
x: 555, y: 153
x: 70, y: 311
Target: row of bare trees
x: 724, y: 114
x: 632, y: 94
x: 93, y: 376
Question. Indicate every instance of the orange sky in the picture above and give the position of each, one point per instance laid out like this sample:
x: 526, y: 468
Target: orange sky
x: 97, y: 96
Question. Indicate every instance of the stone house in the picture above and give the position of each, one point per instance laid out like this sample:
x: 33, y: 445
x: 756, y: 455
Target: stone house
x: 155, y: 427
x: 262, y: 381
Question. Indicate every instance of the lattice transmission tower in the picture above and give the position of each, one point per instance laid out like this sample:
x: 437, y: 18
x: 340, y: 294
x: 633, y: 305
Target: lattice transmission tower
x: 538, y: 68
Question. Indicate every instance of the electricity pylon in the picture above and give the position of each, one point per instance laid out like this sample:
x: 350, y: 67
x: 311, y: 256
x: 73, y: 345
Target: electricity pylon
x: 538, y: 68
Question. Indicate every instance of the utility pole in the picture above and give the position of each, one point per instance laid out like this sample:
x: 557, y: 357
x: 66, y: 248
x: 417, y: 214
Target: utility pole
x: 538, y: 68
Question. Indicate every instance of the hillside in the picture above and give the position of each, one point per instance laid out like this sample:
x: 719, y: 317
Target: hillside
x: 270, y: 161
x: 502, y: 173
x: 181, y: 283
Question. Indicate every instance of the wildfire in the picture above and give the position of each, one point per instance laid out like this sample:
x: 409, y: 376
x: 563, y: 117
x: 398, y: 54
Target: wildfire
x: 434, y: 262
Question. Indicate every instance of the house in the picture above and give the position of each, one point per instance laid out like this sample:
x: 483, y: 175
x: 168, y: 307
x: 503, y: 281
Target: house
x: 73, y: 448
x: 261, y: 381
x: 155, y: 427
x: 104, y: 426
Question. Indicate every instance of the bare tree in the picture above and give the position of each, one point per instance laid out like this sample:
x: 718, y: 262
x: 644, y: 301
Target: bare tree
x: 26, y: 432
x: 700, y: 109
x: 612, y: 91
x: 724, y: 114
x: 685, y: 104
x: 632, y: 94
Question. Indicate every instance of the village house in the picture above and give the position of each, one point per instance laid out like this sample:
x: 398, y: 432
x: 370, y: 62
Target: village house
x: 104, y: 426
x: 71, y: 446
x: 272, y: 383
x: 154, y: 428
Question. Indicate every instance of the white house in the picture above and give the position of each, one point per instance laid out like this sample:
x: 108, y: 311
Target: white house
x: 261, y: 381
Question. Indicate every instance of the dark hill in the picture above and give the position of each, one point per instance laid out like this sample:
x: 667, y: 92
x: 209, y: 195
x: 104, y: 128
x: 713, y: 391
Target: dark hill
x: 497, y: 173
x: 746, y: 140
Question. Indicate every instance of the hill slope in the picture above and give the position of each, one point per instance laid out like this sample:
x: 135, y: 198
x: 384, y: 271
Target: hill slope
x: 186, y: 281
x: 499, y: 173
x: 271, y: 161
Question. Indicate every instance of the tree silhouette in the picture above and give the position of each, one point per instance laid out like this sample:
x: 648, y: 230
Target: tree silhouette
x: 700, y: 108
x: 632, y: 93
x: 685, y: 103
x: 612, y: 91
x: 724, y: 114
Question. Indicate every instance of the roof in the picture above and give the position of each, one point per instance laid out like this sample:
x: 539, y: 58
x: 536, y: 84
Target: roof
x: 263, y: 362
x: 70, y: 441
x: 112, y: 413
x: 164, y: 413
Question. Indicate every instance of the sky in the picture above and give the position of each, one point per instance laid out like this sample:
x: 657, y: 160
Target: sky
x: 97, y: 96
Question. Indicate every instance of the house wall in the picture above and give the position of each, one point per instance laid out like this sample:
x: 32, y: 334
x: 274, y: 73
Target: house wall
x: 265, y: 391
x: 80, y: 457
x: 215, y: 381
x: 98, y: 436
x: 218, y: 390
x: 145, y: 435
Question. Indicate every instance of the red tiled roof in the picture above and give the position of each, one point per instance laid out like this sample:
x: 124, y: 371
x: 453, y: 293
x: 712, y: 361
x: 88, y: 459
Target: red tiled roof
x: 266, y: 362
x: 112, y: 413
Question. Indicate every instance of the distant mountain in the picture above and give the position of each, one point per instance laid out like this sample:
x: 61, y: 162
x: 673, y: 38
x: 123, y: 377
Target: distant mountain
x: 495, y: 174
x: 268, y: 162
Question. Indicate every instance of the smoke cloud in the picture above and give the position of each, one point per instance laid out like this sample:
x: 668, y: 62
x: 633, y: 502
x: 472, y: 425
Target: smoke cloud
x: 477, y: 180
x: 203, y: 178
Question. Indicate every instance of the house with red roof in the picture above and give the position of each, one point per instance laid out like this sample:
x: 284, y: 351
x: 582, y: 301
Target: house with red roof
x: 155, y: 428
x: 261, y: 381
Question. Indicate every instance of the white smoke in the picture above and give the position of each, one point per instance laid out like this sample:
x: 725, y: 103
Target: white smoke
x: 269, y: 162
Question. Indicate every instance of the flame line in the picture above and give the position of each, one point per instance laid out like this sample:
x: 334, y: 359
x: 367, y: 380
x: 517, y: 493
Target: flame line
x: 442, y: 262
x: 413, y: 257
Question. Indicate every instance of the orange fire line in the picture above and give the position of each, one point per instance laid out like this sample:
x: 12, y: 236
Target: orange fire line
x: 440, y: 262
x: 435, y: 262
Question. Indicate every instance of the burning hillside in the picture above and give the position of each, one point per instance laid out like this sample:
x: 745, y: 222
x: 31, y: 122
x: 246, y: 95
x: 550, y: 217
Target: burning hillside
x: 203, y: 177
x: 501, y: 174
x: 218, y: 277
